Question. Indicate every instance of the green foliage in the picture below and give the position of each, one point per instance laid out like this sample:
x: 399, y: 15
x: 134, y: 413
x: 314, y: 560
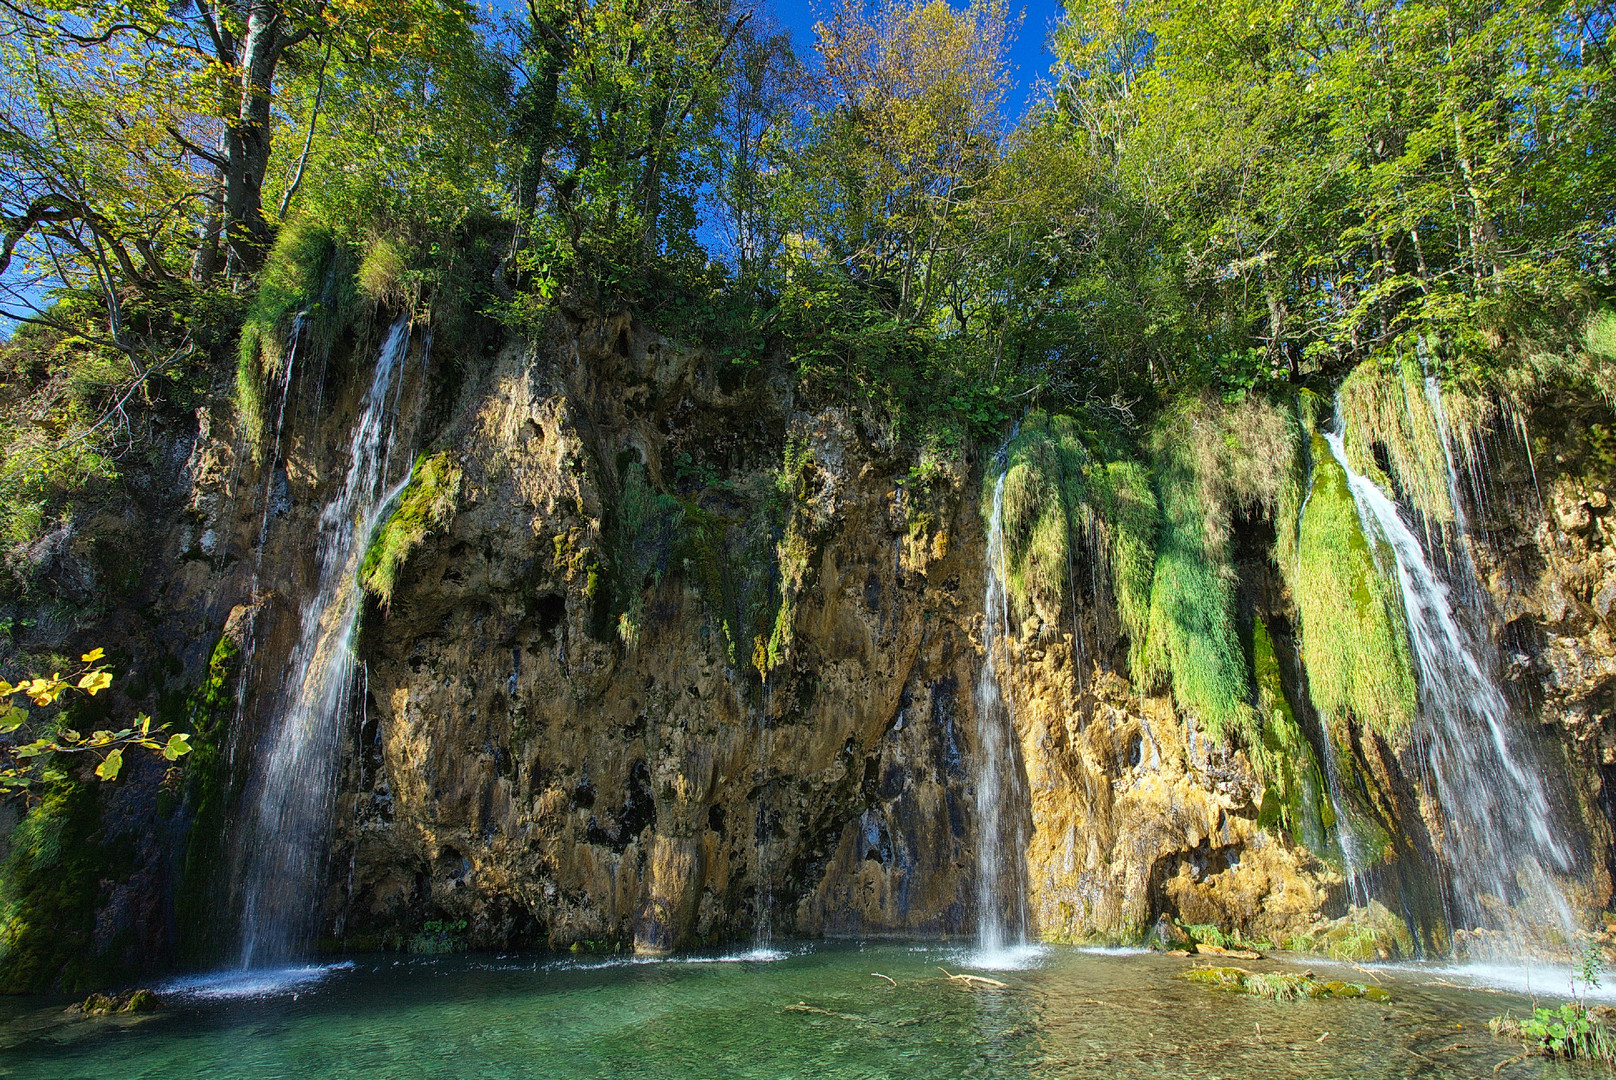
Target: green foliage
x: 1574, y: 1030
x: 426, y: 503
x: 1339, y: 194
x: 438, y: 937
x: 1352, y: 631
x: 846, y: 345
x: 36, y: 747
x: 617, y: 125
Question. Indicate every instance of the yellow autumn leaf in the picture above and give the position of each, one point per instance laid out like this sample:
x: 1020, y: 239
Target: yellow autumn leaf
x: 94, y: 682
x: 108, y: 769
x: 93, y: 655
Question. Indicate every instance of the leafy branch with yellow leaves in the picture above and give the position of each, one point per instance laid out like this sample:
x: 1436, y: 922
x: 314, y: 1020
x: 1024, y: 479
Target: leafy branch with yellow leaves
x: 25, y: 761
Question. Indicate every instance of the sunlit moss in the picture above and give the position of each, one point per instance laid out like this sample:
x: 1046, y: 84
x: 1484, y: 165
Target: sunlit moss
x: 1072, y: 496
x: 426, y: 502
x: 1386, y: 405
x: 1353, y: 636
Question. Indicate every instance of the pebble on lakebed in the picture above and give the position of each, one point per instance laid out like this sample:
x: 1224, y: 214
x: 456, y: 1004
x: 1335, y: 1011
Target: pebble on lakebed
x: 1282, y: 985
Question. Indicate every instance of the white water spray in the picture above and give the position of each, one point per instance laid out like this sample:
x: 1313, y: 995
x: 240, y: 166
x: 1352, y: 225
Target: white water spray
x: 1501, y: 843
x: 291, y: 796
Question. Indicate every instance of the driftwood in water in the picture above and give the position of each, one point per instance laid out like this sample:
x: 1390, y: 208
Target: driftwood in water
x: 975, y: 980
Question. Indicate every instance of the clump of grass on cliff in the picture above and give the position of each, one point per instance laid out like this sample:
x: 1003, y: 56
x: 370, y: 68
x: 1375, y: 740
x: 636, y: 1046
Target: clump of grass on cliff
x: 1386, y: 404
x: 1212, y: 460
x: 1353, y: 633
x: 308, y: 272
x: 426, y: 502
x: 1044, y: 494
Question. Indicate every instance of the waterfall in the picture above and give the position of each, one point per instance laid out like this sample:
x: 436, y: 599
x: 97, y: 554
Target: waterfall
x: 763, y: 932
x: 1001, y: 842
x: 1501, y: 842
x: 291, y: 795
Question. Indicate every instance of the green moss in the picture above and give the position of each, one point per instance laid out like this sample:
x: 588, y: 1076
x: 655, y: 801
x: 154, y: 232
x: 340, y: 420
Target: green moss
x: 733, y: 563
x: 1354, y: 642
x: 1384, y: 404
x: 644, y: 536
x: 1212, y: 461
x: 1071, y: 494
x: 382, y: 273
x: 1281, y: 985
x: 426, y: 503
x: 48, y: 888
x: 209, y: 710
x: 1295, y: 796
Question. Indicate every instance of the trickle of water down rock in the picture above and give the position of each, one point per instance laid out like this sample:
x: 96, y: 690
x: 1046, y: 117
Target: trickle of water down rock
x: 1001, y: 883
x: 290, y: 797
x: 1501, y: 842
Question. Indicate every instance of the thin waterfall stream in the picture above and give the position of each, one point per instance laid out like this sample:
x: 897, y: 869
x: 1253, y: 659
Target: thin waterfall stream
x: 291, y: 794
x: 1001, y: 841
x: 1501, y: 844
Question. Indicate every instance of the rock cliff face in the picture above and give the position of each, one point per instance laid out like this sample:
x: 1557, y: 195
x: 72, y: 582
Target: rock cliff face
x: 688, y: 660
x: 691, y: 659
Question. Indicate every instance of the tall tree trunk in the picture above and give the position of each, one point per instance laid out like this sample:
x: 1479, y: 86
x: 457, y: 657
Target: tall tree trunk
x: 249, y: 136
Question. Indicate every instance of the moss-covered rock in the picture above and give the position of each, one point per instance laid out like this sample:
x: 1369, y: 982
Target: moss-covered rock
x: 426, y: 502
x: 1282, y: 985
x: 48, y: 889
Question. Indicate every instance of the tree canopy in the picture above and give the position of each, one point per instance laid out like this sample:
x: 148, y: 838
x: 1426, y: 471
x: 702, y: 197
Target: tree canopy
x: 1233, y: 196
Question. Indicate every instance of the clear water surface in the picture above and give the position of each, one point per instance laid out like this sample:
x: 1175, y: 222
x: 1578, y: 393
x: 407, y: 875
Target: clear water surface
x: 799, y: 1011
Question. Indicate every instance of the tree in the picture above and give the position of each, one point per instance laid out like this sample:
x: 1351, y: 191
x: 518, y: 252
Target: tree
x: 618, y: 113
x: 907, y: 131
x: 136, y: 138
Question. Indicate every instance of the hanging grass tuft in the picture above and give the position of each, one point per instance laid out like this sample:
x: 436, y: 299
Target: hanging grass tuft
x: 1213, y: 460
x: 1353, y: 634
x: 1074, y: 505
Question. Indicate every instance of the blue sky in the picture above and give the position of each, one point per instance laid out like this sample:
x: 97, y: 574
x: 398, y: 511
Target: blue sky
x: 1028, y: 54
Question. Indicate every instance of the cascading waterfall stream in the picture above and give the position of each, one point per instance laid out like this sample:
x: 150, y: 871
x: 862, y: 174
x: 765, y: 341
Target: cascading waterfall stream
x: 291, y: 796
x: 1501, y: 843
x: 1001, y: 889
